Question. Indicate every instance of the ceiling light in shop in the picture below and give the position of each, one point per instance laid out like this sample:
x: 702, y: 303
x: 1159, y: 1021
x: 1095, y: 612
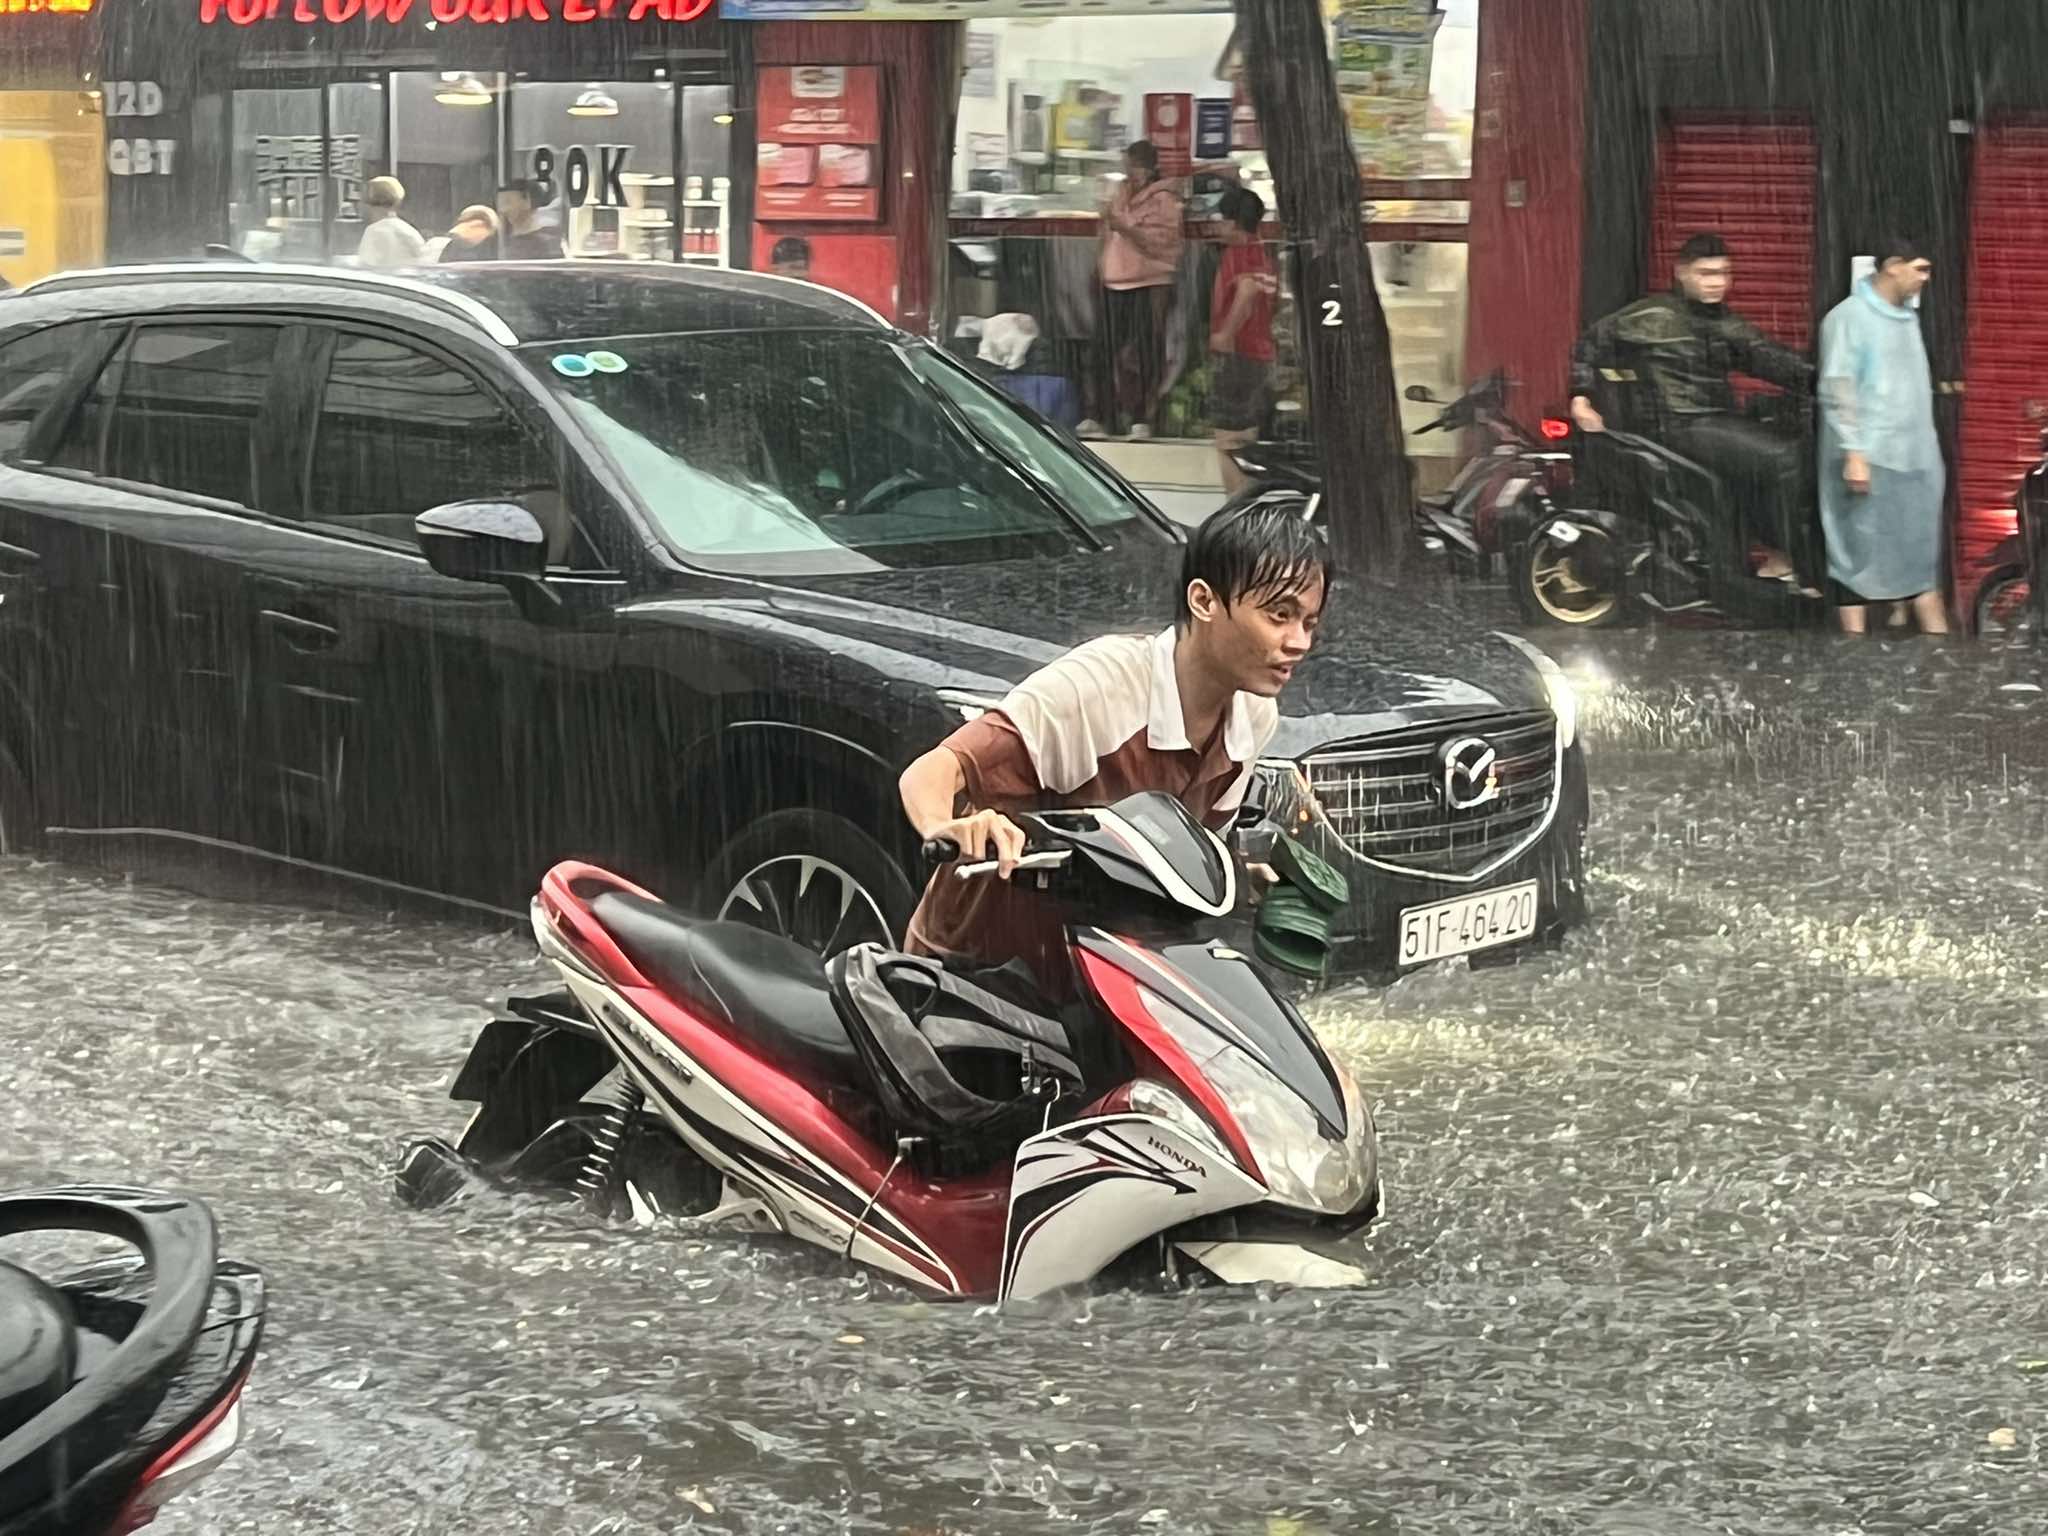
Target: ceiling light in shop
x: 594, y: 103
x: 723, y: 119
x: 463, y: 91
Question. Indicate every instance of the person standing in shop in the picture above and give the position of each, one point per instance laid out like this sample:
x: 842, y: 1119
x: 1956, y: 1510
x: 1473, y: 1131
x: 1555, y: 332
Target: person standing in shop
x: 1141, y: 242
x: 1882, y: 476
x: 522, y: 234
x: 388, y: 241
x: 1241, y: 352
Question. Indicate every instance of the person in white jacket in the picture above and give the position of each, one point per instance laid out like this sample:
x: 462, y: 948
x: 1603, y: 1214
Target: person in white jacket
x: 388, y: 241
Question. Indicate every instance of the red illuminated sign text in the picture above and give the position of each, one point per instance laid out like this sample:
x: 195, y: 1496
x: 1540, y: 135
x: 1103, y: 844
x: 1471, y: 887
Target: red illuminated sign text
x: 247, y: 13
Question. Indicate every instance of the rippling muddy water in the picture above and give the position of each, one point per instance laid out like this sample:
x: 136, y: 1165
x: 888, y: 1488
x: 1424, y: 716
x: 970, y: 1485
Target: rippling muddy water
x: 1731, y: 1215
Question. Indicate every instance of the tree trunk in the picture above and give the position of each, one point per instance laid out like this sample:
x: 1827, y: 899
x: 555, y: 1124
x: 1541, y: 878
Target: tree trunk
x: 1357, y: 417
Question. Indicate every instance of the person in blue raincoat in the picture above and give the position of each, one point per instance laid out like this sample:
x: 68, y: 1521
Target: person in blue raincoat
x: 1882, y: 477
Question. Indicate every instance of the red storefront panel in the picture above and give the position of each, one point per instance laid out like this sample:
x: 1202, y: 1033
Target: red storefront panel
x: 2006, y: 349
x: 1752, y: 181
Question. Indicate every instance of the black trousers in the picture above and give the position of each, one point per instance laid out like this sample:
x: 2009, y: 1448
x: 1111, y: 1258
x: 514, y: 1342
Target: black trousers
x: 1763, y: 478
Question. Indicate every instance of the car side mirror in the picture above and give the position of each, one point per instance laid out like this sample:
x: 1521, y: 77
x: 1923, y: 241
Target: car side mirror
x: 496, y: 541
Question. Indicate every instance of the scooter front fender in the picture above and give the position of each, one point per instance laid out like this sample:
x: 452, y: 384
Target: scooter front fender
x: 1088, y: 1191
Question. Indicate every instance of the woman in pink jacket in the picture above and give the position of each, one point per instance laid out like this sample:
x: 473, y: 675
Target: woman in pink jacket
x: 1141, y: 241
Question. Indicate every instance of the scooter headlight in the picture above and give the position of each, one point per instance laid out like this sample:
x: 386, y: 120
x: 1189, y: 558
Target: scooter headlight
x: 1301, y: 1166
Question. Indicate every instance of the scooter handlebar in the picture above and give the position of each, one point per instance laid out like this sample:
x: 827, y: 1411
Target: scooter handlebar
x: 941, y: 850
x: 1052, y: 859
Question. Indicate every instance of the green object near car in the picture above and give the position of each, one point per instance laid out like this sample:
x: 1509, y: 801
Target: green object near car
x: 1292, y: 930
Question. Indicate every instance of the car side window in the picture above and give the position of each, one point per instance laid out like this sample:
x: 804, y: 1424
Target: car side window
x: 178, y: 406
x: 32, y: 370
x: 401, y: 431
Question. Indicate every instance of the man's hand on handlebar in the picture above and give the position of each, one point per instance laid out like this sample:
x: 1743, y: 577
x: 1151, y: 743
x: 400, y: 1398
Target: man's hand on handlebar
x: 1589, y: 419
x: 984, y: 835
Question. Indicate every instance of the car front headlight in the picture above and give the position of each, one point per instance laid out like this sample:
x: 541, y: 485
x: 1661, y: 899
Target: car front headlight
x: 1300, y: 1165
x: 1564, y: 699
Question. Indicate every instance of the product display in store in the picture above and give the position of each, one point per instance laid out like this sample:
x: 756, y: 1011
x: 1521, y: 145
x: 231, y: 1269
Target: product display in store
x: 1383, y: 55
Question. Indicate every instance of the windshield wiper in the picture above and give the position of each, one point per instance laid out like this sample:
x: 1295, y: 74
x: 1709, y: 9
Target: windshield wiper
x: 965, y: 423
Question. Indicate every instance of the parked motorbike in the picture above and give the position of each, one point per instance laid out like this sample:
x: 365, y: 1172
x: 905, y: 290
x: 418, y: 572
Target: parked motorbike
x: 2011, y: 604
x: 120, y: 1380
x: 1461, y: 522
x: 959, y: 1134
x: 1643, y: 529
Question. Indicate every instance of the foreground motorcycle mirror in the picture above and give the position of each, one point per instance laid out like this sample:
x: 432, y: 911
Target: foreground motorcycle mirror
x: 482, y: 541
x: 1421, y: 395
x: 1249, y: 815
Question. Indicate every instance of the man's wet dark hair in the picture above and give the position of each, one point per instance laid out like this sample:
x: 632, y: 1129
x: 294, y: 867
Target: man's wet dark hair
x: 1261, y: 550
x: 1705, y: 246
x: 526, y: 187
x: 1244, y: 208
x: 1899, y: 248
x: 1143, y: 152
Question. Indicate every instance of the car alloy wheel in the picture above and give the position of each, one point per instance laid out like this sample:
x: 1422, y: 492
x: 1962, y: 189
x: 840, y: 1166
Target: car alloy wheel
x: 808, y: 899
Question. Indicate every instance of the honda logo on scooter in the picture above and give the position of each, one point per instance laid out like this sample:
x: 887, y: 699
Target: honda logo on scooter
x: 1470, y: 773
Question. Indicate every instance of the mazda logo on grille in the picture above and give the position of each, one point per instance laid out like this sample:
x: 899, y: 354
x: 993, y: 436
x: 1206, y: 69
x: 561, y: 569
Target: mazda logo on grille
x: 1470, y: 773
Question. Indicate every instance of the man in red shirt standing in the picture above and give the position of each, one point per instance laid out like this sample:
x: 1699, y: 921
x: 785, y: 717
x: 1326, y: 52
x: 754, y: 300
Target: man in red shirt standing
x: 1241, y: 332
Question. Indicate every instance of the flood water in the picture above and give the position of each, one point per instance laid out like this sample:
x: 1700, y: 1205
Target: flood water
x: 1729, y: 1216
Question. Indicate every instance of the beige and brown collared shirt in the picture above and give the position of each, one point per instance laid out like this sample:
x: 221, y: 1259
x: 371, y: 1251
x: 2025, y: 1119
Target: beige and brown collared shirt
x: 1102, y: 722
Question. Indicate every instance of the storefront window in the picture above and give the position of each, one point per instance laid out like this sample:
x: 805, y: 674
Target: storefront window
x: 1048, y: 108
x: 604, y: 153
x: 292, y: 200
x: 445, y: 147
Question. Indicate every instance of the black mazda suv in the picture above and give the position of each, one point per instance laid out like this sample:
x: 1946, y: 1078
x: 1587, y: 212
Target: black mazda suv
x: 430, y: 580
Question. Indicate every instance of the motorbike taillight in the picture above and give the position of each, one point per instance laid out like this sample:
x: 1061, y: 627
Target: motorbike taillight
x: 197, y: 1452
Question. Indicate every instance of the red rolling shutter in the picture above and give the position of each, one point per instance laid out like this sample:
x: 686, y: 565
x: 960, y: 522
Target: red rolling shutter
x: 1753, y: 182
x: 2006, y: 348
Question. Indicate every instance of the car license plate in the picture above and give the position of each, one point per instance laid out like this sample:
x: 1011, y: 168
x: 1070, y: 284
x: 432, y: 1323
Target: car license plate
x: 1459, y: 927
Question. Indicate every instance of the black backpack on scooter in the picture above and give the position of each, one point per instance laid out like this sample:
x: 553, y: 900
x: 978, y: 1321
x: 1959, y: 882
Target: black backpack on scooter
x: 951, y: 1062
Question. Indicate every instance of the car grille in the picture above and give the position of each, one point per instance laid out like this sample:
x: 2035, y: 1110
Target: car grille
x: 1386, y: 801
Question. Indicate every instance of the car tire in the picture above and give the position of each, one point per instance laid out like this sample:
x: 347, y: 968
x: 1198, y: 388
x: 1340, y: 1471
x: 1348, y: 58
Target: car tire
x: 813, y: 877
x: 2002, y: 616
x: 1541, y: 563
x: 20, y: 826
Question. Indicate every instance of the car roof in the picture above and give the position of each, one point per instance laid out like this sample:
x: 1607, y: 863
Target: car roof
x: 511, y: 303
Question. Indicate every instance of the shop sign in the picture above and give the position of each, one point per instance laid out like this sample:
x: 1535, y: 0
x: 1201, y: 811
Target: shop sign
x: 820, y: 143
x: 248, y: 13
x: 1170, y: 125
x: 45, y: 7
x: 954, y: 10
x: 581, y: 182
x: 288, y: 174
x: 133, y: 98
x: 141, y: 157
x: 1212, y: 128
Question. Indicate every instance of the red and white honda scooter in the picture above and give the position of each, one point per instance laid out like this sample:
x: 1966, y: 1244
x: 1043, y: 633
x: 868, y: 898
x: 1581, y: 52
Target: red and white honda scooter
x: 949, y: 1132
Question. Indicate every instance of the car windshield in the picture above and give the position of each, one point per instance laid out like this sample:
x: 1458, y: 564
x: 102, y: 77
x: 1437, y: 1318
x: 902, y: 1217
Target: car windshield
x: 806, y: 452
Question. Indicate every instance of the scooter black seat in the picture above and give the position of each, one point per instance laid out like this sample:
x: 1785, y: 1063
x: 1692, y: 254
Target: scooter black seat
x: 769, y: 990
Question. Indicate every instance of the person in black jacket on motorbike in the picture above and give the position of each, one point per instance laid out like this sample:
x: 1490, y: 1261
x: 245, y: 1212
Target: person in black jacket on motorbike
x: 1680, y: 347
